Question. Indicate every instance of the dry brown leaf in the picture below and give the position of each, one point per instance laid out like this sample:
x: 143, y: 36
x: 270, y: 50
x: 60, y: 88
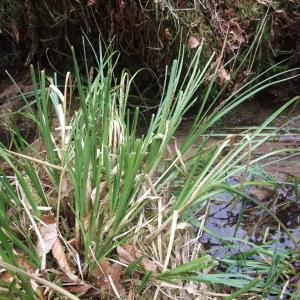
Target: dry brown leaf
x: 116, y: 272
x: 50, y: 241
x: 58, y: 252
x: 192, y: 42
x: 13, y: 90
x: 128, y: 254
x: 15, y: 31
x: 102, y: 273
x: 101, y: 269
x: 81, y: 289
x: 48, y: 232
x: 149, y: 265
x: 8, y: 92
x: 22, y: 263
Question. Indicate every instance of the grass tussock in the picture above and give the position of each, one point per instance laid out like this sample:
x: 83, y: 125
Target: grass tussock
x: 93, y: 208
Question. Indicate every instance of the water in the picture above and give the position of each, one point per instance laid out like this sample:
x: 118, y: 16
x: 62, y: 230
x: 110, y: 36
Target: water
x: 242, y: 220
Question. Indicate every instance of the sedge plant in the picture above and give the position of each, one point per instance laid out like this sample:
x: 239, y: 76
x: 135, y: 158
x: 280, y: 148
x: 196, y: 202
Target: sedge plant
x: 109, y: 186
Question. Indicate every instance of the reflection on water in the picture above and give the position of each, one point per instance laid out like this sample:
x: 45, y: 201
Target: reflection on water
x: 242, y: 220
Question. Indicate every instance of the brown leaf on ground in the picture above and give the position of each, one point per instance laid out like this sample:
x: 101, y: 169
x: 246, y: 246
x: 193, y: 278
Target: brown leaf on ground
x: 99, y: 270
x: 192, y: 42
x: 104, y: 271
x: 149, y: 265
x: 80, y: 289
x: 50, y: 241
x: 12, y: 90
x: 48, y: 231
x: 8, y: 92
x: 128, y: 254
x: 58, y: 252
x: 23, y: 264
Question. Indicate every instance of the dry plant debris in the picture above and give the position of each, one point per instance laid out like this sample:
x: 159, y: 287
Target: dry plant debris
x: 50, y: 241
